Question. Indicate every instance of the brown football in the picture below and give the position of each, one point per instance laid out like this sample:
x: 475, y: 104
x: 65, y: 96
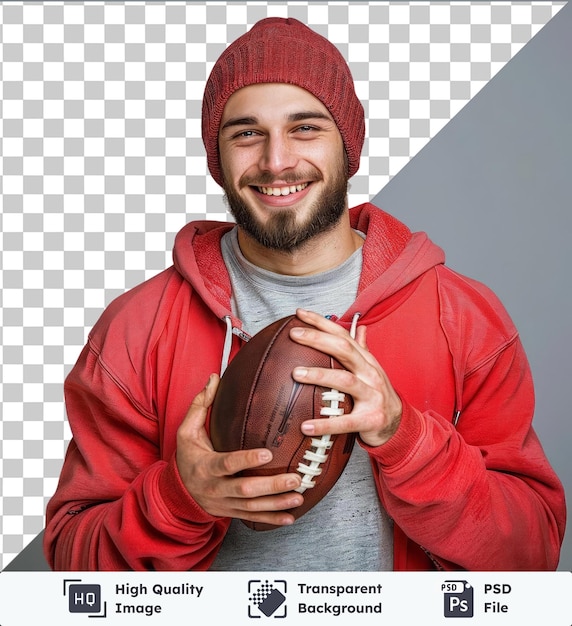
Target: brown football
x: 259, y: 405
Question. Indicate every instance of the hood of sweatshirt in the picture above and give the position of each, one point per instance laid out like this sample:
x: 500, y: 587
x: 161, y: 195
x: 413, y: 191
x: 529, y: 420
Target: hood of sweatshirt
x: 393, y: 257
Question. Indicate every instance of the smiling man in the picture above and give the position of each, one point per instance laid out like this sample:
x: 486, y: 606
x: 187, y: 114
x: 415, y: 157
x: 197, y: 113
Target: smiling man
x: 447, y: 471
x: 284, y: 171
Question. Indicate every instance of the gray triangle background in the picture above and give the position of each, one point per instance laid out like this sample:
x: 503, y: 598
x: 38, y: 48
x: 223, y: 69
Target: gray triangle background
x: 493, y: 188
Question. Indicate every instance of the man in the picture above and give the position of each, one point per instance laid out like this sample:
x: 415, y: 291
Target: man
x: 446, y: 473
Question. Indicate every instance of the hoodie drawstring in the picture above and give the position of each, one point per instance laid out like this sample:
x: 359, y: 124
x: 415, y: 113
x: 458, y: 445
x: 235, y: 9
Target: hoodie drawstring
x: 353, y: 328
x: 227, y: 345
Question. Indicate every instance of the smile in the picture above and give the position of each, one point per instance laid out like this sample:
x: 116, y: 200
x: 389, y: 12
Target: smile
x: 282, y: 191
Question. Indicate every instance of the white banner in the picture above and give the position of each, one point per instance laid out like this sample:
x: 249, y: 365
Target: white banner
x: 240, y: 599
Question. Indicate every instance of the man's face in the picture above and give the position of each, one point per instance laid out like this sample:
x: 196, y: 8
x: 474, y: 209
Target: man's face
x: 283, y: 164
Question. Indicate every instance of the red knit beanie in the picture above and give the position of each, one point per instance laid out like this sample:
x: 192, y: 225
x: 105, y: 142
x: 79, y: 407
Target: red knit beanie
x: 283, y: 50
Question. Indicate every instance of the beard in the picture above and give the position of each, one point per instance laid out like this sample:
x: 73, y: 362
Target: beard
x: 282, y: 231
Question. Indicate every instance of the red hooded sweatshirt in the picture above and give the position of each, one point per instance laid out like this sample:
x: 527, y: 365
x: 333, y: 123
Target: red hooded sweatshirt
x: 464, y: 478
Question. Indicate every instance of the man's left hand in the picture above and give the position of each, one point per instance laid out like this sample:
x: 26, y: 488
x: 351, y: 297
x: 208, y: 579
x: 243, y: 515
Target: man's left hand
x: 377, y: 407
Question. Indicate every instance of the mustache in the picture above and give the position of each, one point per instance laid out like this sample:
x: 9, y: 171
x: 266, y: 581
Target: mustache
x: 267, y: 179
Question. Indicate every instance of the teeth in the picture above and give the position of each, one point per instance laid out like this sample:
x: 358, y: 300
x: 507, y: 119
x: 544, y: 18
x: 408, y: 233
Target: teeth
x: 282, y: 191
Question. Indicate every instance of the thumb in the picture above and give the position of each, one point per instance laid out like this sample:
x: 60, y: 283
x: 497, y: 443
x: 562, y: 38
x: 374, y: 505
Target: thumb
x: 197, y: 414
x: 209, y: 392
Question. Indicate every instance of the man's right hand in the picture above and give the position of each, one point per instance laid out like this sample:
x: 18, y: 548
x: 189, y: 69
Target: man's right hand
x: 210, y: 476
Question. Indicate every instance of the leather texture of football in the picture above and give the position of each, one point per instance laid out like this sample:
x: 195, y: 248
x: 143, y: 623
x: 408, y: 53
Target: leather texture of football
x: 259, y: 405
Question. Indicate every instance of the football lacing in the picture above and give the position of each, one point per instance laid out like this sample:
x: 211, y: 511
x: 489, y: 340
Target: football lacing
x: 319, y: 453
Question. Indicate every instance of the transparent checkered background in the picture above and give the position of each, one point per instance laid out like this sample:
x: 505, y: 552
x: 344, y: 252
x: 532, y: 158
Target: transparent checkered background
x: 102, y: 163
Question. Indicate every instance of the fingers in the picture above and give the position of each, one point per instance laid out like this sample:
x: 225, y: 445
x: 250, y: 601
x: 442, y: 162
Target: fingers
x: 228, y: 465
x: 270, y: 509
x: 332, y: 339
x: 231, y: 463
x: 213, y: 478
x: 377, y: 408
x: 259, y: 498
x: 320, y: 322
x: 324, y: 324
x: 360, y: 371
x: 260, y: 487
x: 255, y: 498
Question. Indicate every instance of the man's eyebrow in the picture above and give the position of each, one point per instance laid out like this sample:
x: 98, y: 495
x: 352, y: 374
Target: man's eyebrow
x: 309, y: 115
x: 299, y: 116
x: 239, y: 121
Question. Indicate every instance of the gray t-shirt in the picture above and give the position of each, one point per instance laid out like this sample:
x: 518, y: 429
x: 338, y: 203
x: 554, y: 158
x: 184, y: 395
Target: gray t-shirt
x: 348, y: 530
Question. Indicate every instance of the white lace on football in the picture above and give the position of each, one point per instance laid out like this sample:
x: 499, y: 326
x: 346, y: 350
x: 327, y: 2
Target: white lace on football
x: 318, y: 452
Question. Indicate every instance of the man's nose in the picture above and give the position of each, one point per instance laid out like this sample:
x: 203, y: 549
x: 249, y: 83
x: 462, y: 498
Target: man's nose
x: 278, y: 155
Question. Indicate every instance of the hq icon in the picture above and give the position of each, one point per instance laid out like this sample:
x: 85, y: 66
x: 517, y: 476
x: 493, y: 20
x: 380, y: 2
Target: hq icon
x: 84, y: 598
x: 458, y: 598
